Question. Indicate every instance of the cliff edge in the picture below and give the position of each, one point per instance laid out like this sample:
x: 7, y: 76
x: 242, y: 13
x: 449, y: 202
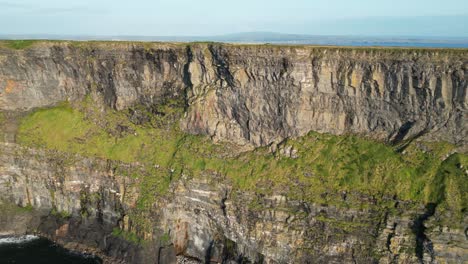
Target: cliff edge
x: 254, y: 95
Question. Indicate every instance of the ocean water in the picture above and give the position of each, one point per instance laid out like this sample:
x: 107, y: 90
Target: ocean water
x: 35, y: 250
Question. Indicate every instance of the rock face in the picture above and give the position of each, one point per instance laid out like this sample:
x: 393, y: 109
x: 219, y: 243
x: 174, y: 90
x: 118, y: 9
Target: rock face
x: 211, y: 219
x: 206, y: 220
x: 77, y: 202
x: 254, y: 95
x: 263, y: 95
x: 248, y: 95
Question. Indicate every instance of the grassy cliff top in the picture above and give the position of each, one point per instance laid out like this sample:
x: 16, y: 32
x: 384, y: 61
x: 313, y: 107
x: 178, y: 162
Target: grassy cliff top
x: 26, y: 44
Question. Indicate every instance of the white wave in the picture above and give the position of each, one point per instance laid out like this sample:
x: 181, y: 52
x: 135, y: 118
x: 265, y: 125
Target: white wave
x: 17, y: 239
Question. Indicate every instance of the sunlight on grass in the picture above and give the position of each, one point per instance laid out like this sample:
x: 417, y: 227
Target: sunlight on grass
x: 325, y: 163
x: 19, y: 44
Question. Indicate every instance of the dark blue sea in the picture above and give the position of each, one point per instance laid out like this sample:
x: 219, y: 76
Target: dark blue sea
x: 34, y: 250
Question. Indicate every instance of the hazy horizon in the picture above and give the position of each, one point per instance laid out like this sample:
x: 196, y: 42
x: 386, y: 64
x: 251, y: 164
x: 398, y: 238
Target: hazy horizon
x: 419, y: 18
x: 38, y: 35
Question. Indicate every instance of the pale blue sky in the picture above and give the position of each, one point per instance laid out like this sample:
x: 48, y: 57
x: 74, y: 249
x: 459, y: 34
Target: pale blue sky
x: 212, y: 17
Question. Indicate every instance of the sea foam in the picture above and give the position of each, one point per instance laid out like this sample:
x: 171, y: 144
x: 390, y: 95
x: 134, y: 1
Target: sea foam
x: 17, y: 239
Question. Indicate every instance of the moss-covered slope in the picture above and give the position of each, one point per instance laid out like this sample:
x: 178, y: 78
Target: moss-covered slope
x: 315, y: 168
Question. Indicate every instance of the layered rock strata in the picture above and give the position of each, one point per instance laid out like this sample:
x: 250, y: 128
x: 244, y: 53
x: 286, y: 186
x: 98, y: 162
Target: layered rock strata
x: 250, y: 96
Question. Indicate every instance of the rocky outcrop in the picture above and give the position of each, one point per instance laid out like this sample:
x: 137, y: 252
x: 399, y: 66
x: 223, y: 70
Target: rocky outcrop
x: 263, y: 95
x: 206, y: 219
x: 254, y: 95
x: 120, y: 74
x: 274, y: 229
x: 74, y: 201
x: 79, y: 202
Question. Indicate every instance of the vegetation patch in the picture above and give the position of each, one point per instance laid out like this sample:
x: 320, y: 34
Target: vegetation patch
x: 8, y: 208
x: 128, y: 236
x: 60, y: 214
x: 19, y: 44
x: 323, y: 169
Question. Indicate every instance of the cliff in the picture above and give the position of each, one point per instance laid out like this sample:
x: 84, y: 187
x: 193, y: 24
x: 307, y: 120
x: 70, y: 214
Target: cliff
x: 254, y: 95
x: 100, y: 151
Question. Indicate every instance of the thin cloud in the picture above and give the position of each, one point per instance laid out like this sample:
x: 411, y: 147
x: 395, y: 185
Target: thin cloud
x: 13, y: 5
x: 50, y: 10
x: 77, y: 9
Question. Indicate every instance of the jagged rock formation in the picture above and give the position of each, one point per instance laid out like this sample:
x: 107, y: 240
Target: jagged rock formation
x: 206, y: 219
x: 248, y: 95
x: 255, y: 95
x: 86, y: 188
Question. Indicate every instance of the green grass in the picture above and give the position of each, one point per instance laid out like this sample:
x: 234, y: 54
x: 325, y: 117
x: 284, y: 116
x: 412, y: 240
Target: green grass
x: 66, y: 129
x: 449, y: 186
x: 60, y: 214
x: 165, y: 238
x: 8, y: 208
x: 128, y: 236
x: 326, y: 165
x: 27, y: 208
x: 70, y: 130
x: 19, y: 44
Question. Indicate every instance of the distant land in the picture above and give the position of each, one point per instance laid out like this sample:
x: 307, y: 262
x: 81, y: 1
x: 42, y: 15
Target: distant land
x: 276, y: 38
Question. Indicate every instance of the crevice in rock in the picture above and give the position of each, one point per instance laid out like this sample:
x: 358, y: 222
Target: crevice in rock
x: 403, y: 131
x: 223, y: 203
x: 209, y: 252
x: 220, y: 61
x: 353, y: 257
x: 423, y: 243
x: 187, y: 77
x: 399, y: 138
x: 389, y: 238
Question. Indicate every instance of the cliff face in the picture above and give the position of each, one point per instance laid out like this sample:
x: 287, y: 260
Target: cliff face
x: 242, y: 97
x: 120, y: 74
x: 55, y: 189
x: 263, y: 95
x: 81, y: 202
x: 255, y: 95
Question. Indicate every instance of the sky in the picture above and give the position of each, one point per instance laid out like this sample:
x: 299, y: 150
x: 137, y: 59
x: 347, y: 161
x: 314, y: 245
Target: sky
x: 446, y: 18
